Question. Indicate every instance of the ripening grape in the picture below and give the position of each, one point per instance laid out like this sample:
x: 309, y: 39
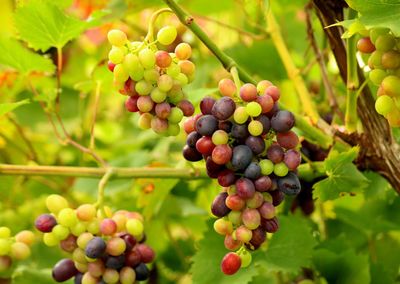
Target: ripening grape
x: 391, y: 85
x: 167, y: 35
x: 163, y: 59
x: 262, y: 86
x: 230, y: 263
x: 385, y: 42
x: 183, y: 51
x: 365, y: 45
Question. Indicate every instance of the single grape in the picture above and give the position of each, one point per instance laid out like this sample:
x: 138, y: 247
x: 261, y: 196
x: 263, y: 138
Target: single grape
x: 205, y: 146
x: 144, y: 121
x: 206, y: 125
x: 256, y: 144
x: 374, y: 33
x: 377, y: 76
x: 192, y: 139
x: 262, y: 86
x: 225, y: 126
x: 134, y: 227
x: 287, y: 140
x: 5, y: 263
x: 142, y: 272
x: 263, y: 183
x: 175, y: 115
x: 245, y: 258
x: 117, y: 37
x: 248, y: 92
x: 253, y: 109
x: 231, y: 263
x: 271, y: 225
x: 5, y: 247
x: 64, y: 270
x: 267, y: 210
x: 266, y: 123
x: 143, y: 87
x: 258, y: 237
x: 187, y: 67
x: 183, y: 51
x: 163, y: 59
x: 240, y: 115
x: 289, y: 184
x: 55, y: 203
x: 147, y: 253
x: 191, y: 154
x: 5, y: 232
x: 255, y: 128
x: 45, y: 223
x: 151, y: 75
x: 223, y: 227
x: 391, y: 59
x: 220, y: 137
x: 157, y: 95
x: 165, y: 83
x: 245, y: 188
x: 108, y: 227
x: 173, y: 70
x: 292, y: 159
x: 385, y: 42
x: 267, y: 167
x: 127, y: 275
x: 147, y: 58
x: 231, y: 244
x: 60, y: 232
x: 110, y: 276
x: 222, y: 154
x: 226, y: 178
x: 26, y: 237
x: 375, y: 59
x: 251, y: 218
x: 391, y: 86
x: 266, y: 102
x: 120, y: 74
x: 69, y: 244
x: 239, y: 131
x: 227, y: 87
x: 115, y: 246
x: 275, y: 154
x: 273, y: 92
x: 224, y: 108
x: 186, y: 107
x: 96, y: 268
x: 167, y: 35
x: 206, y: 105
x: 255, y: 201
x: 243, y: 234
x: 163, y: 110
x: 50, y: 240
x: 384, y: 104
x: 253, y: 171
x: 116, y: 55
x: 95, y: 248
x: 235, y: 202
x: 282, y: 121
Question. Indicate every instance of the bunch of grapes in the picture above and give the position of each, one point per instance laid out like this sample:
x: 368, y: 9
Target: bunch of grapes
x: 14, y: 248
x: 384, y: 61
x: 153, y: 79
x: 248, y: 145
x: 103, y: 249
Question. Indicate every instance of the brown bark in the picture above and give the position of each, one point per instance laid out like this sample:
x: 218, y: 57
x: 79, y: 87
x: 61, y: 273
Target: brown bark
x: 379, y: 151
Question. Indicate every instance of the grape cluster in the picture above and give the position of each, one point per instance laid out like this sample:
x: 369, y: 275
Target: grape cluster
x: 104, y: 247
x: 384, y: 61
x: 14, y: 248
x: 248, y: 145
x: 153, y: 79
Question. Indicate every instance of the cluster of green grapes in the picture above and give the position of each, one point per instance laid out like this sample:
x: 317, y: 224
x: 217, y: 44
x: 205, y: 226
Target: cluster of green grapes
x: 105, y: 247
x: 14, y: 248
x: 153, y: 79
x: 384, y: 61
x: 249, y: 147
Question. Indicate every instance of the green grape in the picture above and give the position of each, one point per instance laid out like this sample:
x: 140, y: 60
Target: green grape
x: 111, y: 276
x: 120, y: 74
x: 255, y: 128
x: 235, y: 217
x: 281, y: 169
x: 158, y: 96
x: 385, y: 42
x: 144, y: 121
x: 223, y: 227
x: 127, y: 275
x: 5, y: 233
x: 175, y: 95
x: 165, y: 83
x: 220, y: 137
x: 175, y: 115
x: 167, y: 35
x: 117, y: 37
x: 94, y: 227
x: 138, y: 74
x: 83, y: 240
x: 375, y: 60
x: 245, y: 257
x: 377, y: 75
x: 384, y: 105
x: 78, y: 229
x: 131, y: 63
x: 151, y: 75
x: 50, y: 240
x: 5, y: 247
x: 143, y: 87
x: 240, y: 115
x: 20, y: 251
x: 116, y: 55
x: 267, y: 197
x: 147, y: 57
x: 135, y: 44
x: 376, y: 32
x: 134, y: 227
x: 173, y: 70
x: 391, y: 86
x: 67, y: 217
x: 60, y: 232
x: 253, y: 109
x: 79, y: 255
x: 173, y: 129
x: 182, y: 79
x: 55, y: 203
x: 267, y: 167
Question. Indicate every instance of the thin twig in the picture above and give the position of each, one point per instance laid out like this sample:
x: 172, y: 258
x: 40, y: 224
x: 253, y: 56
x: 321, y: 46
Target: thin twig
x: 95, y: 108
x: 58, y: 76
x: 320, y: 59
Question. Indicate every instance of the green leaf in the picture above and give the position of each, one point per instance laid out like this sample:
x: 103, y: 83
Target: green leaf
x: 207, y: 262
x: 8, y: 107
x: 378, y: 13
x: 26, y: 275
x: 291, y: 247
x: 14, y: 55
x: 44, y: 25
x: 343, y: 176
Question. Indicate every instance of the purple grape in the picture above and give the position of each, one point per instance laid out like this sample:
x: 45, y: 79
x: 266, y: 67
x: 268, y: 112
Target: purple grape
x: 275, y: 153
x: 265, y: 122
x: 192, y: 139
x: 64, y: 270
x: 292, y: 159
x: 206, y: 105
x: 226, y: 178
x: 289, y: 184
x: 132, y: 258
x: 253, y: 171
x: 282, y: 121
x: 277, y: 197
x: 206, y: 125
x: 78, y: 278
x: 191, y: 154
x: 223, y: 108
x: 271, y: 225
x: 45, y: 223
x: 263, y: 183
x: 245, y: 188
x: 218, y: 207
x: 239, y: 131
x: 186, y: 107
x: 95, y: 248
x: 256, y: 144
x: 273, y: 111
x: 115, y: 262
x: 225, y: 125
x: 241, y: 157
x: 258, y: 237
x: 142, y: 272
x: 130, y: 241
x: 213, y: 169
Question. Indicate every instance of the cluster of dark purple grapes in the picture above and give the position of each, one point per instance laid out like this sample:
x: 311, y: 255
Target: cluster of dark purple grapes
x: 104, y: 249
x: 248, y: 145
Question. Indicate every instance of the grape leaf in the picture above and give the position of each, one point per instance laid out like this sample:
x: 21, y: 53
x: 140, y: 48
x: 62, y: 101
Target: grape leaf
x: 291, y: 247
x: 8, y: 107
x: 14, y: 55
x: 44, y: 25
x: 206, y: 267
x: 378, y: 13
x: 343, y: 176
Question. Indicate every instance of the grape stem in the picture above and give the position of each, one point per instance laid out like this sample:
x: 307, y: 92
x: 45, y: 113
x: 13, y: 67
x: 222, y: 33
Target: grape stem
x: 150, y: 31
x: 100, y: 192
x: 236, y: 79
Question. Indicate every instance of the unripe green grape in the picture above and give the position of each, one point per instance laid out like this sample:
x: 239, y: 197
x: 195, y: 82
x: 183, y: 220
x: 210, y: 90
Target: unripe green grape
x: 175, y: 115
x: 175, y: 95
x: 55, y: 203
x: 384, y: 104
x: 173, y: 70
x: 391, y: 86
x: 5, y: 246
x: 81, y: 267
x: 79, y: 255
x: 267, y: 197
x: 173, y: 129
x: 376, y: 32
x: 5, y: 233
x: 135, y: 44
x: 50, y: 240
x: 151, y: 75
x: 255, y: 128
x: 231, y: 190
x: 235, y: 217
x: 223, y: 227
x: 281, y: 169
x: 127, y: 275
x: 116, y: 55
x: 143, y: 87
x: 375, y: 60
x: 134, y: 227
x: 67, y: 217
x: 253, y: 109
x: 167, y: 35
x: 376, y: 76
x: 246, y: 258
x: 165, y: 83
x: 240, y: 115
x: 385, y: 42
x: 117, y: 37
x: 131, y: 63
x: 120, y: 74
x: 158, y: 96
x: 147, y: 58
x: 267, y: 167
x: 110, y: 276
x: 182, y: 79
x: 220, y: 137
x: 60, y: 232
x: 83, y: 240
x: 144, y: 121
x: 20, y: 251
